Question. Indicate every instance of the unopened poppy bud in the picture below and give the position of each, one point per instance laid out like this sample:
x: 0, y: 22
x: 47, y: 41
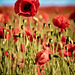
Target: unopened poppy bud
x: 1, y: 49
x: 20, y: 35
x: 33, y: 29
x: 48, y: 45
x: 35, y: 32
x: 56, y: 56
x: 24, y: 21
x: 5, y: 24
x: 65, y: 30
x: 60, y: 45
x: 44, y: 24
x: 52, y: 32
x: 66, y: 48
x: 13, y: 56
x: 72, y: 52
x: 50, y: 56
x: 49, y: 25
x: 38, y: 37
x: 7, y: 33
x: 14, y: 21
x: 4, y: 30
x: 68, y: 39
x: 10, y: 27
x: 50, y: 40
x: 59, y: 34
x: 22, y: 26
x: 73, y: 42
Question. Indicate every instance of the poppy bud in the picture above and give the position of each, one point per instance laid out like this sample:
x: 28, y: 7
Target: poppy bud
x: 14, y: 21
x: 4, y: 30
x: 56, y: 56
x: 49, y: 25
x: 52, y: 32
x: 68, y: 39
x: 44, y: 24
x: 50, y: 56
x: 50, y: 40
x: 7, y: 33
x: 5, y: 24
x: 66, y: 48
x: 10, y: 27
x: 38, y: 37
x: 33, y: 29
x: 65, y: 30
x: 60, y: 45
x: 59, y: 34
x: 20, y: 35
x: 22, y: 26
x: 73, y: 42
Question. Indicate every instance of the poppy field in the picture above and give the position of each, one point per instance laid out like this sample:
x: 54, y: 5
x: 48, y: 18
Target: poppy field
x: 37, y: 40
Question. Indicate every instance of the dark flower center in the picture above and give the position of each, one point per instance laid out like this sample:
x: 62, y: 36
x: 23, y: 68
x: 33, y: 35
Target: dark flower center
x: 27, y: 7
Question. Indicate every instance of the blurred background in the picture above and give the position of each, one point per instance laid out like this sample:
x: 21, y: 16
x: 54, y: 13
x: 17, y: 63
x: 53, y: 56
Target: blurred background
x: 47, y: 8
x: 42, y: 2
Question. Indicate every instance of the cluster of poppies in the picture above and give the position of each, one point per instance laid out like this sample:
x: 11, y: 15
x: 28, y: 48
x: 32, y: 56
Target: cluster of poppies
x: 28, y: 8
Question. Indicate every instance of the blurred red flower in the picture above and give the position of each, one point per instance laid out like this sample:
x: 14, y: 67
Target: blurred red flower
x: 42, y: 57
x: 1, y: 32
x: 26, y: 8
x: 61, y: 22
x: 22, y: 48
x: 45, y: 17
x: 4, y: 18
x: 63, y: 39
x: 29, y: 34
x: 68, y: 51
x: 7, y: 54
x: 7, y: 33
x: 72, y: 15
x: 15, y: 31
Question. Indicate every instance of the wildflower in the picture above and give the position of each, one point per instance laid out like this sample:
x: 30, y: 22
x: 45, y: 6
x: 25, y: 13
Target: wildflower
x: 26, y: 8
x: 61, y: 22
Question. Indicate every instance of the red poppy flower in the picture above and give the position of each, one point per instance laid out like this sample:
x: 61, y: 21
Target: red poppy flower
x: 1, y: 32
x: 45, y: 17
x: 4, y: 18
x: 68, y: 51
x: 26, y: 8
x: 42, y: 57
x: 61, y: 22
x: 7, y: 36
x: 72, y: 15
x: 29, y: 34
x: 15, y: 31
